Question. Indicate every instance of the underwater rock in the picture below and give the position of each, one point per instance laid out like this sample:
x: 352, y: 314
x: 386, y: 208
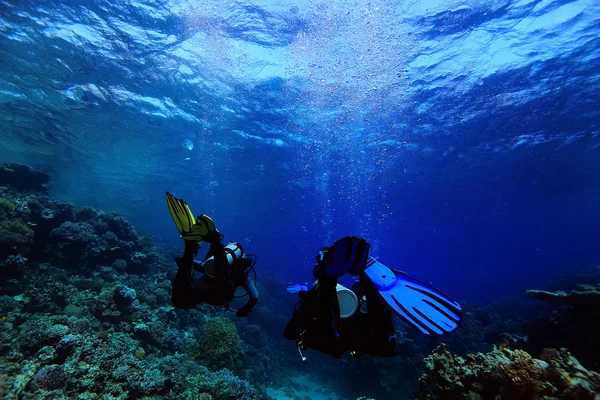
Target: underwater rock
x: 90, y: 244
x: 114, y: 301
x: 57, y: 332
x: 37, y: 333
x: 51, y: 377
x: 5, y: 385
x: 7, y: 209
x: 46, y: 354
x: 576, y: 298
x: 13, y: 244
x: 86, y: 214
x: 120, y: 226
x: 573, y: 325
x: 220, y: 385
x: 23, y: 177
x: 72, y: 309
x: 67, y: 346
x: 126, y: 299
x: 506, y: 374
x: 74, y: 241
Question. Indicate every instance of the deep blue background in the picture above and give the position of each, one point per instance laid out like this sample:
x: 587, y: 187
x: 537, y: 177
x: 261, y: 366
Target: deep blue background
x: 461, y: 140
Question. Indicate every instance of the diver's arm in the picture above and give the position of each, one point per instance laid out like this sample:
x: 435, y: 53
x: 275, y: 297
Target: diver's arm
x: 199, y: 267
x: 302, y: 314
x: 252, y: 293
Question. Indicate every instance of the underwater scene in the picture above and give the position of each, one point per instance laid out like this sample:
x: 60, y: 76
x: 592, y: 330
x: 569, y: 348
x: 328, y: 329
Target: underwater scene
x: 300, y: 200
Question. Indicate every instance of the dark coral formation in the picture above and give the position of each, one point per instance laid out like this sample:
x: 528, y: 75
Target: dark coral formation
x: 506, y: 374
x: 588, y: 296
x: 220, y: 345
x: 51, y: 377
x: 23, y: 177
x: 574, y: 324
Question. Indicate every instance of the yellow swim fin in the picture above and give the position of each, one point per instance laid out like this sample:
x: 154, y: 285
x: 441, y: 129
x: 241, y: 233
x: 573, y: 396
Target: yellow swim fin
x: 204, y: 225
x: 181, y: 214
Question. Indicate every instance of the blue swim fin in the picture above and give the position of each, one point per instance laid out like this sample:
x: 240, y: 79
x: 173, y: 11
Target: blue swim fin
x: 418, y: 303
x: 294, y: 288
x: 347, y: 255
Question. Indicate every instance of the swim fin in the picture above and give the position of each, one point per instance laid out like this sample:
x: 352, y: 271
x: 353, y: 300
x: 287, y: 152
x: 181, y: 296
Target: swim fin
x: 181, y: 214
x: 189, y: 227
x: 418, y: 303
x: 347, y: 255
x: 203, y: 226
x: 294, y: 288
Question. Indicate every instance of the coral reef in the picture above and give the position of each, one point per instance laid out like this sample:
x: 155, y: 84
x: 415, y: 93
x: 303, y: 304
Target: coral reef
x: 85, y: 310
x: 219, y: 346
x: 220, y: 385
x: 141, y: 355
x: 506, y: 374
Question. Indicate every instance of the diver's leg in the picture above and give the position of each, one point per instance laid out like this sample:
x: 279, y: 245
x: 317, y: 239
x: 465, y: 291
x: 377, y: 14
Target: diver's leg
x: 329, y: 315
x: 328, y: 301
x: 222, y: 267
x: 184, y: 295
x: 223, y: 289
x: 381, y: 337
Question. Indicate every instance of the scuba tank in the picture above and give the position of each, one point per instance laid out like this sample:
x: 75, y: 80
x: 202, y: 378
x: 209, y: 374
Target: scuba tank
x: 363, y: 305
x: 348, y: 301
x: 234, y: 252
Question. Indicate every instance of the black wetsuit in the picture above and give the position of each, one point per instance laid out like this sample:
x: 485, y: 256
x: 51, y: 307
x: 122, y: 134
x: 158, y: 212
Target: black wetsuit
x: 317, y: 324
x: 189, y: 290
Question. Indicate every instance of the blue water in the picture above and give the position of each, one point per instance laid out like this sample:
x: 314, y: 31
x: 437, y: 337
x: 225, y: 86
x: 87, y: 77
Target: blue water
x: 460, y: 138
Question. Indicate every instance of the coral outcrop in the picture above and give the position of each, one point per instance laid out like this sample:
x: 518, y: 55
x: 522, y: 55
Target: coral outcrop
x: 506, y: 374
x: 573, y: 324
x: 588, y: 296
x: 220, y: 346
x: 24, y: 177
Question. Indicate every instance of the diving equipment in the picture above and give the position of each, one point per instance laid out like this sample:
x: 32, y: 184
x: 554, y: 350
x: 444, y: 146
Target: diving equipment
x: 181, y: 214
x: 418, y: 303
x: 293, y: 288
x: 363, y: 304
x: 202, y: 228
x: 234, y: 252
x: 347, y: 255
x: 189, y: 228
x: 346, y: 298
x: 348, y: 301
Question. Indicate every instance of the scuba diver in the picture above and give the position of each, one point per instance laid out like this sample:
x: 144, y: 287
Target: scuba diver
x: 334, y: 319
x: 222, y: 271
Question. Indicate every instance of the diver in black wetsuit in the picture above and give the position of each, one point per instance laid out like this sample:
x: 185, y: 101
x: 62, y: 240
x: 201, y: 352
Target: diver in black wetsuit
x: 217, y: 290
x: 317, y: 322
x: 333, y: 319
x: 369, y: 331
x: 215, y: 279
